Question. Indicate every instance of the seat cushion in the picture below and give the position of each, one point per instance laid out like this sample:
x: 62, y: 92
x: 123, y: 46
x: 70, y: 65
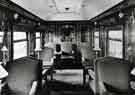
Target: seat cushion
x: 46, y: 55
x: 113, y: 72
x: 112, y: 89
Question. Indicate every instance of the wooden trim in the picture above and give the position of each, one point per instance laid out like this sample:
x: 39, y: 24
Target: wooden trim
x: 11, y: 49
x: 120, y: 6
x: 15, y: 41
x: 18, y: 9
x: 115, y: 39
x: 124, y: 42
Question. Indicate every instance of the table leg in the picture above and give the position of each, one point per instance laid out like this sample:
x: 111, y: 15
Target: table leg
x: 52, y: 76
x: 84, y: 76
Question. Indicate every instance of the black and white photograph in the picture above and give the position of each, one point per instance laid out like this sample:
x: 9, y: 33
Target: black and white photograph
x: 67, y: 47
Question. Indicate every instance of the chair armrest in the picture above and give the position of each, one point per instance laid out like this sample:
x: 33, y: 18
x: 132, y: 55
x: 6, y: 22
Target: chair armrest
x: 83, y: 59
x: 91, y: 74
x: 102, y: 88
x: 52, y: 60
x: 2, y: 85
x: 44, y: 72
x: 33, y: 88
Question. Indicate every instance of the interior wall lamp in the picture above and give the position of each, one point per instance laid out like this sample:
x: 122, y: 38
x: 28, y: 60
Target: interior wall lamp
x: 4, y: 50
x: 121, y: 15
x: 39, y: 24
x: 132, y: 18
x: 16, y: 16
x: 95, y: 23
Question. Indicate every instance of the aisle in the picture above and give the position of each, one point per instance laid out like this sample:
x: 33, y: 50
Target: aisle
x: 69, y: 76
x: 68, y: 82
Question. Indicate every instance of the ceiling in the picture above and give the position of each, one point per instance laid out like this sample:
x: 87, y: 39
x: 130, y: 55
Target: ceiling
x: 66, y: 9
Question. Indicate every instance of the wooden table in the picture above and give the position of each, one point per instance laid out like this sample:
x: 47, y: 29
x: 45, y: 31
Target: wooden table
x: 66, y: 62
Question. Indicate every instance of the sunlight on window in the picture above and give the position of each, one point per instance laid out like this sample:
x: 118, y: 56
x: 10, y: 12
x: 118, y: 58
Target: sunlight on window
x: 115, y: 48
x: 115, y: 43
x: 20, y: 49
x: 37, y: 34
x: 116, y: 34
x: 1, y: 33
x: 1, y: 36
x: 38, y: 43
x: 96, y: 39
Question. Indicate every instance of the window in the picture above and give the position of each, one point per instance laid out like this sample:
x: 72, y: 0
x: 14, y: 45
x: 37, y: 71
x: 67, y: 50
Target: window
x: 20, y: 49
x: 20, y: 44
x: 38, y: 40
x: 1, y: 41
x: 96, y: 39
x: 1, y: 36
x: 115, y: 43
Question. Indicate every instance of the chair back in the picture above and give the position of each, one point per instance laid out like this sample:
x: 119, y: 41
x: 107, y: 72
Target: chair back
x: 47, y: 54
x: 88, y: 54
x: 114, y: 73
x: 66, y: 47
x: 22, y: 73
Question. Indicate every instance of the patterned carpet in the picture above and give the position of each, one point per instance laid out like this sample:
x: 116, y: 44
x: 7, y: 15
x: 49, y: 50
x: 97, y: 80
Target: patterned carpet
x: 69, y: 76
x: 67, y: 82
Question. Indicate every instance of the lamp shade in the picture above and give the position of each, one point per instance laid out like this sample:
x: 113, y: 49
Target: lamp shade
x: 133, y: 71
x: 97, y: 49
x: 3, y: 72
x: 4, y: 49
x: 38, y: 49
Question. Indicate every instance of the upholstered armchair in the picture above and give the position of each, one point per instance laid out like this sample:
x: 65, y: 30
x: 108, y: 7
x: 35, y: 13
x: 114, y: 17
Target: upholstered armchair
x: 47, y: 55
x: 25, y: 77
x: 112, y: 76
x: 88, y: 56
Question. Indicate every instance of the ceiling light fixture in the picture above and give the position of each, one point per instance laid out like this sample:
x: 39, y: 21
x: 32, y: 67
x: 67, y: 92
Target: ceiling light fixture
x: 67, y: 9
